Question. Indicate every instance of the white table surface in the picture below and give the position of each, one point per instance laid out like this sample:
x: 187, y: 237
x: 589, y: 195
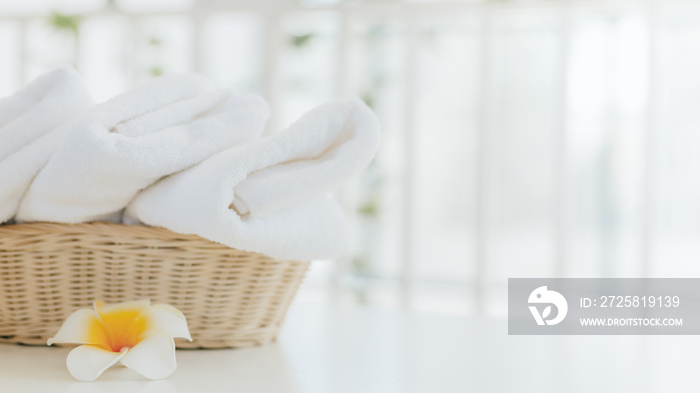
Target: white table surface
x: 322, y: 349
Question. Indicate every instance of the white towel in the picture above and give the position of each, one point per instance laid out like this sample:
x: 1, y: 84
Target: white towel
x: 29, y: 131
x: 131, y: 141
x: 278, y: 184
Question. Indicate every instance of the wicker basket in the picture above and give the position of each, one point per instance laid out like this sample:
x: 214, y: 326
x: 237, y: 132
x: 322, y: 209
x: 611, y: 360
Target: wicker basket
x: 231, y: 298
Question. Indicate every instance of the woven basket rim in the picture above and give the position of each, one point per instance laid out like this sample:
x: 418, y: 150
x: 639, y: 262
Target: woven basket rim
x: 111, y: 229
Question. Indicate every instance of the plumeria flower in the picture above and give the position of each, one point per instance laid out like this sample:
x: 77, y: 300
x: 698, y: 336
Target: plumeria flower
x: 136, y: 334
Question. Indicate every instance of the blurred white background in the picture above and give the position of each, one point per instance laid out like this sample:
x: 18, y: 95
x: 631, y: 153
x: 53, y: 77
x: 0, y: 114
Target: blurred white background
x: 521, y: 138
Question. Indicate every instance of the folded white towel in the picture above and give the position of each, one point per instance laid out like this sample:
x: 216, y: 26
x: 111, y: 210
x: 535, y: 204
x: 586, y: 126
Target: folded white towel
x: 131, y: 141
x: 29, y: 130
x: 313, y: 157
x: 268, y: 196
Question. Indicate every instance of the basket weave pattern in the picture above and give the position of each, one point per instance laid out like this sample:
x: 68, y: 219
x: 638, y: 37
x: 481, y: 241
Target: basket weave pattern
x: 231, y: 298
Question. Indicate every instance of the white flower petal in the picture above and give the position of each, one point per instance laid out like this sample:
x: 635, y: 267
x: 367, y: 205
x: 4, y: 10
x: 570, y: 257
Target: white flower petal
x: 153, y: 357
x: 101, y: 307
x: 87, y: 362
x: 81, y: 327
x: 168, y: 318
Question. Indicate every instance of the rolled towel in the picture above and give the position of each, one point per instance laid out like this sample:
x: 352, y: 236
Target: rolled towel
x: 269, y: 196
x: 313, y: 157
x: 29, y: 130
x: 131, y: 141
x: 39, y: 107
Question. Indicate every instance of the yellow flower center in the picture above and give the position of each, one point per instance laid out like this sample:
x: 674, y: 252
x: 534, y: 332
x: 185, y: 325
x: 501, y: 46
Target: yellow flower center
x: 119, y: 329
